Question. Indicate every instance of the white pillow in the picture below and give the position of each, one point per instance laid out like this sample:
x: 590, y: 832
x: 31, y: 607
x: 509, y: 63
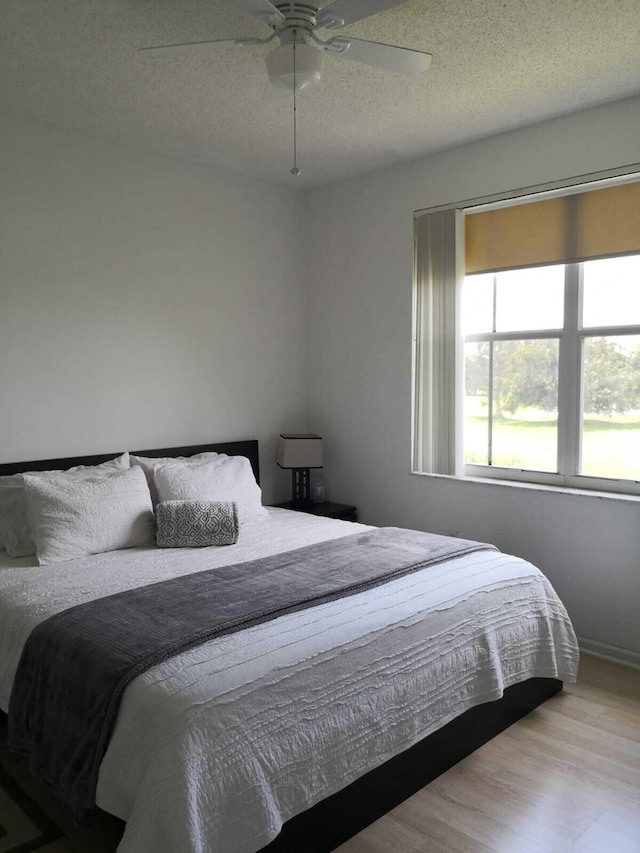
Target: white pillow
x: 15, y: 530
x: 89, y: 516
x: 228, y: 479
x: 147, y: 464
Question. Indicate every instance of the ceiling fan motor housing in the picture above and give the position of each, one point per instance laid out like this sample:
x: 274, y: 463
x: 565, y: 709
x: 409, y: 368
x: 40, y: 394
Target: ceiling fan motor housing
x: 301, y: 15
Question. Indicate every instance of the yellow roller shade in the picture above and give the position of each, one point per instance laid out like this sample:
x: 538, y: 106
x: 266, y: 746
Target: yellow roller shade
x: 594, y: 224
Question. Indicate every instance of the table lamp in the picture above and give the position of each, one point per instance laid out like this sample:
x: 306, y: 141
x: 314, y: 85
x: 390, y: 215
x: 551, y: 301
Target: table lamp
x: 300, y: 453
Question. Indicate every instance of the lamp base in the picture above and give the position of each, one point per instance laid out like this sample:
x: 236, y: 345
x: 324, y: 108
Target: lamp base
x: 300, y: 487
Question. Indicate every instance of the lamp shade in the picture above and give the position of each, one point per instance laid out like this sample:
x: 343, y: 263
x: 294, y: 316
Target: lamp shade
x: 300, y: 451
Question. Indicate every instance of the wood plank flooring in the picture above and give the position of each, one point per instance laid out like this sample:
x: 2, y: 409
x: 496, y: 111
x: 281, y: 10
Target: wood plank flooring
x: 564, y: 778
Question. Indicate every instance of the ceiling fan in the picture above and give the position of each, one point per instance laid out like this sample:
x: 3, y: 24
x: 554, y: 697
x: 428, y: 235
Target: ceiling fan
x: 298, y: 61
x: 296, y: 24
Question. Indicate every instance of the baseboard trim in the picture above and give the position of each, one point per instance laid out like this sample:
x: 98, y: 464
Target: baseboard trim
x: 626, y: 657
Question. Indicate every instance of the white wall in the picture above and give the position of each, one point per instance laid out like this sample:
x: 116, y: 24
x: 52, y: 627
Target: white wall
x: 144, y: 302
x: 147, y: 302
x: 360, y: 272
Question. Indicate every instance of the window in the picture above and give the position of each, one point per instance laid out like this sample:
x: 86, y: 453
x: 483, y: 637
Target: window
x: 537, y: 340
x: 542, y: 379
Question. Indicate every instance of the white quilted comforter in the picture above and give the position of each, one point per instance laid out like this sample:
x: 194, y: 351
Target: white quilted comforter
x: 216, y: 748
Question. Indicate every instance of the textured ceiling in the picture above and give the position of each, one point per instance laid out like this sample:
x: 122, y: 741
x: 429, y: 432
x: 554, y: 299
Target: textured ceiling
x: 498, y: 64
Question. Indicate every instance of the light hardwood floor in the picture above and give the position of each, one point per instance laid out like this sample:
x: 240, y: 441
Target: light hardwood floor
x: 564, y: 778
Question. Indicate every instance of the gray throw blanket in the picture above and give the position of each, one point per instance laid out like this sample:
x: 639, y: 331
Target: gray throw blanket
x: 76, y: 665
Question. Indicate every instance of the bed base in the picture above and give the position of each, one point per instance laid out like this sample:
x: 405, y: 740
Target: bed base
x: 341, y: 816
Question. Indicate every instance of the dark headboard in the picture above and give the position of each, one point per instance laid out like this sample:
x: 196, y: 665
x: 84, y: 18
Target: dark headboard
x: 247, y: 448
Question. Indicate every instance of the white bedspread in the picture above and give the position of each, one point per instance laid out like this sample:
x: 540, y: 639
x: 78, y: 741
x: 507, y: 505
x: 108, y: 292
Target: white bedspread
x: 216, y: 748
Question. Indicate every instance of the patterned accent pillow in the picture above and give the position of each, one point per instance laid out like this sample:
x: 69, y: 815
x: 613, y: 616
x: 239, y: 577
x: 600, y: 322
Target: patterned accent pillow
x: 196, y: 524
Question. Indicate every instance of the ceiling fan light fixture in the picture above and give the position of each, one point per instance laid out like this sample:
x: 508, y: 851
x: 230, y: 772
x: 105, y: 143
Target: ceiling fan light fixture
x: 308, y: 71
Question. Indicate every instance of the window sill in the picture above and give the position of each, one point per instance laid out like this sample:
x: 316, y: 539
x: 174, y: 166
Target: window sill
x: 536, y: 487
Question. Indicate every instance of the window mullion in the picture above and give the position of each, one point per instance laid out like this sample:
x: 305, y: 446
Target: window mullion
x: 520, y: 335
x: 490, y: 409
x: 569, y: 371
x: 494, y: 315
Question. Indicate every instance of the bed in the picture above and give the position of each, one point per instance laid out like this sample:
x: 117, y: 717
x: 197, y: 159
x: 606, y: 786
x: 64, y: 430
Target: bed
x: 297, y: 732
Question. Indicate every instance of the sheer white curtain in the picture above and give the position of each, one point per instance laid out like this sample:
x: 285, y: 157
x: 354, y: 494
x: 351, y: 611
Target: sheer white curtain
x: 438, y: 374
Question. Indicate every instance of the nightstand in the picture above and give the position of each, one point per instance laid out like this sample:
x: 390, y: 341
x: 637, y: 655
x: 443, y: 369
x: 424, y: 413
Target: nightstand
x: 326, y: 510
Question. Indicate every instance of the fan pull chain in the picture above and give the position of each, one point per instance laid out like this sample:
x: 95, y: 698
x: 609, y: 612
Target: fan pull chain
x: 295, y: 170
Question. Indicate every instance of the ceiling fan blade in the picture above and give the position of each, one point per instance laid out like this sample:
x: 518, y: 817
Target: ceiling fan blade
x: 402, y: 60
x: 168, y: 50
x: 343, y: 12
x: 262, y: 9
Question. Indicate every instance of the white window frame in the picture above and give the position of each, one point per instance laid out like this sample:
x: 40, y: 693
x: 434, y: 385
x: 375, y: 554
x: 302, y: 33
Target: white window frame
x: 571, y: 336
x: 570, y: 391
